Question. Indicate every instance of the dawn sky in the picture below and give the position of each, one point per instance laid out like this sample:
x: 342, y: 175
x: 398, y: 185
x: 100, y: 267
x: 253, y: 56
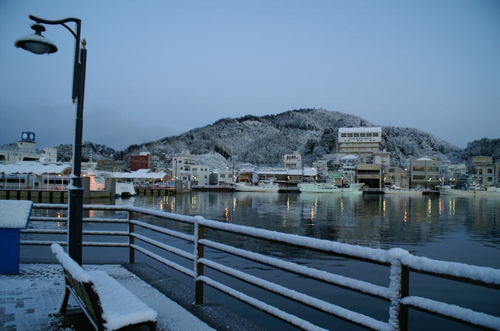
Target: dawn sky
x: 160, y: 68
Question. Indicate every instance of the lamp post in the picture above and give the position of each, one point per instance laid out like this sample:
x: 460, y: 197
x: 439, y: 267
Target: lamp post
x: 38, y: 44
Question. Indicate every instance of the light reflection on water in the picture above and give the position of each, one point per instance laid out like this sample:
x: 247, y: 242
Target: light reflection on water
x: 411, y: 222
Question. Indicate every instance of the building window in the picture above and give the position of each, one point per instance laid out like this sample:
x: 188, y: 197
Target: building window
x: 343, y: 135
x: 362, y: 134
x: 356, y: 135
x: 418, y: 177
x: 490, y: 171
x: 368, y: 134
x: 375, y: 134
x: 349, y: 134
x: 418, y: 168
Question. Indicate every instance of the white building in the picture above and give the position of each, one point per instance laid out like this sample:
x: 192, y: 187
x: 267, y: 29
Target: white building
x: 184, y: 168
x: 359, y: 140
x: 292, y: 161
x: 25, y: 150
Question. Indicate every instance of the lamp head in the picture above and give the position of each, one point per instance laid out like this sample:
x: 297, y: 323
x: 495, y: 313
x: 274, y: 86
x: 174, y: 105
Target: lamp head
x: 36, y: 42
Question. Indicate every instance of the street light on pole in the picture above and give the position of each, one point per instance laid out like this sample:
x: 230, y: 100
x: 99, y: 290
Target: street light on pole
x: 38, y: 44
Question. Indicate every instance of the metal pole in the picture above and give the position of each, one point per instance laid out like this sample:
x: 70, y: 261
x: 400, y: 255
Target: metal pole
x: 76, y: 190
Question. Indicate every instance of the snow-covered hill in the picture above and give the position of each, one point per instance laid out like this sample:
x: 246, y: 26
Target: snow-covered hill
x: 263, y: 140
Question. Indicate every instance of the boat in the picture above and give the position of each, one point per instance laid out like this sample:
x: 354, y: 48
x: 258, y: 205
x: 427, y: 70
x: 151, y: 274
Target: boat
x: 473, y: 191
x: 262, y: 186
x: 327, y: 187
x: 124, y: 189
x: 398, y: 190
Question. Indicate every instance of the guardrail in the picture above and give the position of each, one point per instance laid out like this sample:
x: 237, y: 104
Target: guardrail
x: 400, y: 262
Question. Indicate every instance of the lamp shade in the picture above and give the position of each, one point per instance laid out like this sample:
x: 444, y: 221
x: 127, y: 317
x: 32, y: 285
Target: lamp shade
x: 36, y: 42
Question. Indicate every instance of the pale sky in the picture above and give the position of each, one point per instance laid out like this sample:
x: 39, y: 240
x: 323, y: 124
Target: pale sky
x: 160, y: 68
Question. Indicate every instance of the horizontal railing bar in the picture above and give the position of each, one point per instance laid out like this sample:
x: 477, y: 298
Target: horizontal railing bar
x: 160, y: 229
x: 166, y: 247
x: 372, y: 255
x: 85, y: 219
x: 327, y: 307
x: 160, y: 259
x: 85, y: 243
x: 162, y: 214
x: 454, y: 312
x: 50, y: 206
x: 289, y: 318
x: 104, y: 220
x: 48, y: 219
x: 86, y: 232
x: 345, y: 282
x: 484, y: 276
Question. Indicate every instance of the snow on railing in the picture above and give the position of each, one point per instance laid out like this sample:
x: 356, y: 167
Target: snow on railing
x: 400, y: 261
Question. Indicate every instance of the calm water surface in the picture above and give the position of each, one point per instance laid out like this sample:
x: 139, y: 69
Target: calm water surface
x: 452, y: 228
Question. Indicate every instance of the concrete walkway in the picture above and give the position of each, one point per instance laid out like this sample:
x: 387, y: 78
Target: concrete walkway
x: 28, y: 299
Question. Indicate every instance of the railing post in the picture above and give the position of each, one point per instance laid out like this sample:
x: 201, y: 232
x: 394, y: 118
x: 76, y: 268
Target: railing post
x: 131, y: 239
x: 399, y: 288
x: 199, y: 253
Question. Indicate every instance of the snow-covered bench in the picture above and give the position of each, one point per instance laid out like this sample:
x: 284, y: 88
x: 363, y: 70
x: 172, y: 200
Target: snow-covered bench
x: 107, y: 304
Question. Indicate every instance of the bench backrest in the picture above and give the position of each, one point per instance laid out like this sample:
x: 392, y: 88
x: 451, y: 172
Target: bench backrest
x: 80, y: 282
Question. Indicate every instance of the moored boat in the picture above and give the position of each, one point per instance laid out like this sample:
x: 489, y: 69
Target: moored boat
x: 328, y: 188
x: 490, y: 191
x: 259, y: 187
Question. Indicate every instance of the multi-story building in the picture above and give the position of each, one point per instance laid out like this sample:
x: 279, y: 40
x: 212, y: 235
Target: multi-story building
x: 25, y: 150
x: 484, y: 170
x: 370, y: 174
x: 453, y: 174
x: 396, y: 177
x: 292, y: 161
x: 424, y: 173
x: 184, y: 168
x: 364, y: 140
x: 140, y: 161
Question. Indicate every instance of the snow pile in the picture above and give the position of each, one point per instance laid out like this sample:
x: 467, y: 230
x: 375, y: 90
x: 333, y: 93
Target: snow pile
x: 454, y: 311
x: 120, y: 307
x: 483, y: 274
x: 15, y: 214
x: 69, y: 264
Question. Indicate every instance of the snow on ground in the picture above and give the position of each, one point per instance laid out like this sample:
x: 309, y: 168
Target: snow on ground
x: 27, y: 299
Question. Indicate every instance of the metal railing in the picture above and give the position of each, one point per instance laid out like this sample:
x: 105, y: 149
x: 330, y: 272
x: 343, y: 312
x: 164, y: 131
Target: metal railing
x: 400, y: 263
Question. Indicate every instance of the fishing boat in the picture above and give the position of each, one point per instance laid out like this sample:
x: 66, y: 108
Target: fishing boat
x: 261, y: 186
x: 473, y: 191
x: 317, y: 187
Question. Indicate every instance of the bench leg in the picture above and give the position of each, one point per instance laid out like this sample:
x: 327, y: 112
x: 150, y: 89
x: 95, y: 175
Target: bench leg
x: 64, y: 302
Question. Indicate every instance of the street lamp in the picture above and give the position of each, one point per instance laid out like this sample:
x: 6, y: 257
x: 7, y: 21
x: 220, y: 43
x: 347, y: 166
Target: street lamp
x: 38, y: 44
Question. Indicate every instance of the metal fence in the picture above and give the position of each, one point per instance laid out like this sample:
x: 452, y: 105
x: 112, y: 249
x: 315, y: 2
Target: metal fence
x: 400, y: 263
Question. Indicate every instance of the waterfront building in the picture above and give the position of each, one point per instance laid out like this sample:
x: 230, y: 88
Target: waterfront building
x: 140, y: 161
x: 484, y: 170
x: 321, y: 168
x: 424, y: 173
x: 453, y: 174
x: 224, y: 176
x: 363, y: 140
x: 292, y: 161
x: 34, y: 175
x: 26, y: 150
x: 396, y: 177
x: 370, y: 174
x: 184, y: 168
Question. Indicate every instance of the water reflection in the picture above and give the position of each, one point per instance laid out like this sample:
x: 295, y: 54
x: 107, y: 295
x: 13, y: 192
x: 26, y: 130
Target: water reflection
x: 414, y: 222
